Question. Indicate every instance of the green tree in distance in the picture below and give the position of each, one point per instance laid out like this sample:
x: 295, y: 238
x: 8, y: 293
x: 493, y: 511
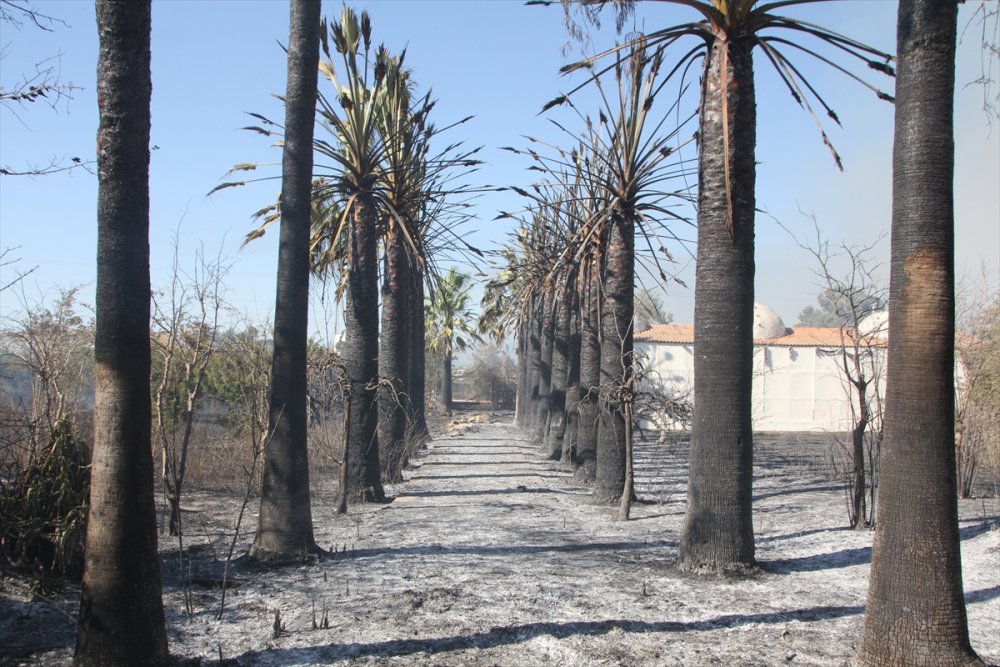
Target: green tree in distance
x: 451, y: 325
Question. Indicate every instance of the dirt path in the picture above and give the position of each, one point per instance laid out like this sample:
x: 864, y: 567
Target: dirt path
x: 490, y: 555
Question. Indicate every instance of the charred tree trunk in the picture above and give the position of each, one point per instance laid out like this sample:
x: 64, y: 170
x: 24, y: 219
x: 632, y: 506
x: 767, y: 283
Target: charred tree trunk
x: 534, y: 366
x: 361, y: 355
x: 616, y: 359
x: 393, y: 396
x: 285, y: 530
x: 547, y: 337
x: 523, y: 377
x: 718, y: 526
x: 121, y: 610
x: 915, y: 613
x: 859, y: 484
x: 446, y: 397
x: 560, y: 375
x: 417, y: 356
x: 572, y: 381
x: 590, y: 377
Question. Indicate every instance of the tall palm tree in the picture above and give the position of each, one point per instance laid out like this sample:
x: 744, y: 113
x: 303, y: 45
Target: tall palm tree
x: 401, y: 127
x: 633, y: 155
x: 357, y: 151
x: 449, y: 320
x: 121, y: 611
x: 417, y: 354
x: 718, y: 527
x: 440, y: 212
x: 915, y: 613
x: 547, y: 339
x: 285, y: 530
x: 585, y: 444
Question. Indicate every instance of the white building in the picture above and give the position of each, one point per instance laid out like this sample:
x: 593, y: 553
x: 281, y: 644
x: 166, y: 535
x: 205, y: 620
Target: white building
x: 799, y: 383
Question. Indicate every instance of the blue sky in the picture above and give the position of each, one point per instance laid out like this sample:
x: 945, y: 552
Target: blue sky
x: 495, y: 59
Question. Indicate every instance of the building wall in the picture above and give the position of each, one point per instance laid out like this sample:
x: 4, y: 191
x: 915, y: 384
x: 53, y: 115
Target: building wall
x: 795, y: 388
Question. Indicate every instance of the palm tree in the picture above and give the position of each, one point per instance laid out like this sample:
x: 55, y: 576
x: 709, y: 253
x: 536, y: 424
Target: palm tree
x: 417, y: 355
x: 632, y: 155
x: 357, y: 152
x: 285, y: 530
x: 718, y: 527
x: 546, y: 338
x: 585, y: 445
x: 401, y: 127
x: 121, y: 611
x: 915, y: 613
x: 556, y: 433
x: 440, y: 213
x: 448, y: 318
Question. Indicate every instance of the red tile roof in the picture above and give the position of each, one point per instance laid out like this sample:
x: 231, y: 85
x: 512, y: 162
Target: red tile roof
x: 798, y: 337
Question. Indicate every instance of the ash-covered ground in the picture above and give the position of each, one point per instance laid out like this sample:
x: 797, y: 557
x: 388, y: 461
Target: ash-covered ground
x: 491, y: 555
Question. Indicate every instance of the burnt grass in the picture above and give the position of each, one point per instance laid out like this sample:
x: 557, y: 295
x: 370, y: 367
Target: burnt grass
x: 490, y: 555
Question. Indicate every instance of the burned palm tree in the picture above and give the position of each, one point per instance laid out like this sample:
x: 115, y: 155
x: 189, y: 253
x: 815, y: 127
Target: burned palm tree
x: 915, y: 612
x: 633, y: 161
x: 285, y: 528
x: 121, y: 610
x: 356, y: 151
x: 419, y: 184
x: 718, y: 528
x: 402, y: 127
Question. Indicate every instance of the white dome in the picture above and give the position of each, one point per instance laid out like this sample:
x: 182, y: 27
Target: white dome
x: 875, y: 324
x: 766, y: 323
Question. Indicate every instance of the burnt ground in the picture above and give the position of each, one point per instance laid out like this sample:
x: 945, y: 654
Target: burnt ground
x: 491, y: 555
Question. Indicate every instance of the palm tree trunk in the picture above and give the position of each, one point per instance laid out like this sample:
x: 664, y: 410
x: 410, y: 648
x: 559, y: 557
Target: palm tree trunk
x: 718, y: 527
x: 625, y: 502
x: 547, y: 341
x: 590, y: 377
x: 446, y: 381
x: 616, y: 359
x: 573, y: 392
x: 417, y: 356
x: 560, y: 375
x: 285, y: 530
x: 915, y: 614
x: 361, y: 356
x: 121, y: 611
x: 523, y: 378
x: 394, y: 399
x: 534, y: 365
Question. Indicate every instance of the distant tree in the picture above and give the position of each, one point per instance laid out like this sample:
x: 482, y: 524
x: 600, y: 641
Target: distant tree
x: 649, y: 309
x: 451, y: 325
x: 915, y: 612
x: 845, y: 306
x: 121, y: 610
x: 46, y: 383
x: 241, y: 367
x: 285, y: 530
x: 492, y: 376
x: 48, y: 365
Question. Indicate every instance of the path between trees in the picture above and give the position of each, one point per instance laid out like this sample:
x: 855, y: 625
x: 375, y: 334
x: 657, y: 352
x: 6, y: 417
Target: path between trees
x: 491, y: 555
